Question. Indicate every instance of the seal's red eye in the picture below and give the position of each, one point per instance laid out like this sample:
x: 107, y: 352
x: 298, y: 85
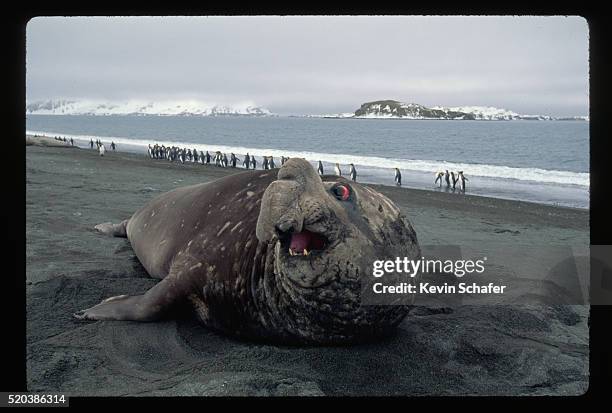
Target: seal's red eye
x: 342, y: 192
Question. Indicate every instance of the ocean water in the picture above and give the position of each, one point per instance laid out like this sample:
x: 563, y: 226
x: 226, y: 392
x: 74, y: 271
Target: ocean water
x: 537, y: 161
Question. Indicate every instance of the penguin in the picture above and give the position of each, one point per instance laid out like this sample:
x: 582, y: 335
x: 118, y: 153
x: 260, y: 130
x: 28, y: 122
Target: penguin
x: 320, y: 168
x: 195, y: 156
x: 271, y: 163
x: 225, y: 163
x: 337, y: 169
x: 247, y: 161
x: 453, y: 179
x: 283, y: 160
x: 462, y: 180
x: 72, y: 143
x: 182, y: 155
x: 254, y: 162
x: 398, y: 177
x: 438, y: 176
x: 150, y: 149
x: 113, y: 146
x: 233, y: 160
x: 207, y: 158
x: 447, y: 178
x: 264, y: 164
x: 353, y: 173
x: 102, y: 150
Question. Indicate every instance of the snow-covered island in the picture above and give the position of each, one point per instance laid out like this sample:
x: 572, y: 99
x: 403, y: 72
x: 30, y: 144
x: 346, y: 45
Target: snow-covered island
x: 142, y: 108
x: 393, y: 109
x: 380, y: 109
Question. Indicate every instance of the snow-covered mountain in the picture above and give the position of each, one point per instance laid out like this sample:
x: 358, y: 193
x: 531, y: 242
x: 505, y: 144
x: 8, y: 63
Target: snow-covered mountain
x: 138, y: 107
x: 392, y: 109
x: 492, y: 113
x: 483, y: 112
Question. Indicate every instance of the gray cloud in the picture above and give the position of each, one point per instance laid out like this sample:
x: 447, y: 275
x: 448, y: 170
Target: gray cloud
x: 315, y: 64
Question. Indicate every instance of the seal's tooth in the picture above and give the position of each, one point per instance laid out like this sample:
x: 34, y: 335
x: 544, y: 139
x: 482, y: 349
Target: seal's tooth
x: 306, y: 251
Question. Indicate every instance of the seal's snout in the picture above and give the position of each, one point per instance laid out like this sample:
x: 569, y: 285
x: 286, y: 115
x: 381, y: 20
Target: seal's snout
x: 281, y: 212
x: 299, y: 170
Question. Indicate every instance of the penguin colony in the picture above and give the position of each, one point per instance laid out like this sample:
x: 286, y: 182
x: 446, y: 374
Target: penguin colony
x: 174, y: 153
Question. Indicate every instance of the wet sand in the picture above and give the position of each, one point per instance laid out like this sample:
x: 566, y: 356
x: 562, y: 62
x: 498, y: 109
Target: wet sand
x: 467, y: 350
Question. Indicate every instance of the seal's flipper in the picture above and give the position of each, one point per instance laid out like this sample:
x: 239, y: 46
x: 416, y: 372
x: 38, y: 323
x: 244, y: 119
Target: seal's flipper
x: 147, y: 307
x: 114, y: 230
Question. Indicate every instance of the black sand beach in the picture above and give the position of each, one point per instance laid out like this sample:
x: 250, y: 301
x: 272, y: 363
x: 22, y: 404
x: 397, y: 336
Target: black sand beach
x: 492, y: 350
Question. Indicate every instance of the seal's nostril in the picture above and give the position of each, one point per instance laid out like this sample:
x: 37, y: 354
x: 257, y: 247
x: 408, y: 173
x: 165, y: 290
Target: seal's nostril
x: 285, y: 227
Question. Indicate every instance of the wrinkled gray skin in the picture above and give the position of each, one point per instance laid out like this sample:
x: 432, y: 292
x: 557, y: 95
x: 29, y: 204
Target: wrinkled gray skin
x: 223, y: 246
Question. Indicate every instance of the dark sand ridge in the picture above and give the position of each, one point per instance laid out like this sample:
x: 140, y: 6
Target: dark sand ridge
x: 466, y: 350
x: 45, y: 141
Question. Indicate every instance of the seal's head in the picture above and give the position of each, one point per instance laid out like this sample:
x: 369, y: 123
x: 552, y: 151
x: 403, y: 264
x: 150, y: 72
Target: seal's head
x: 326, y: 232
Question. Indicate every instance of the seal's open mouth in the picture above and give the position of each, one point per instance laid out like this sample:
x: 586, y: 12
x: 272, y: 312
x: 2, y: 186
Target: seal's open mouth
x: 303, y: 243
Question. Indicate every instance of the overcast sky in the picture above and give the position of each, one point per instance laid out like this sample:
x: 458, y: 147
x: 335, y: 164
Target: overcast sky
x: 301, y: 65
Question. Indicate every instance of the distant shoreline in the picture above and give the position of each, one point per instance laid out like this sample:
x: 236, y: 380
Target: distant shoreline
x: 460, y: 120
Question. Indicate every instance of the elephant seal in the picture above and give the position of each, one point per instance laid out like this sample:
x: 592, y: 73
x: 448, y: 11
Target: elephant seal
x: 270, y: 255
